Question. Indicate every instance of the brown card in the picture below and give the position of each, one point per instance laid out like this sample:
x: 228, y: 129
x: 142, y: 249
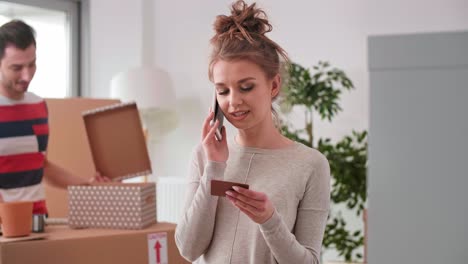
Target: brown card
x: 117, y: 141
x: 219, y: 188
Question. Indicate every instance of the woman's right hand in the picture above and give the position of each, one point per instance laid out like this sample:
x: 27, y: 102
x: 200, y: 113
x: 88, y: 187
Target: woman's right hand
x: 214, y: 150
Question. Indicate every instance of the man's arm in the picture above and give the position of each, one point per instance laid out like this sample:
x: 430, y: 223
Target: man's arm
x: 62, y: 178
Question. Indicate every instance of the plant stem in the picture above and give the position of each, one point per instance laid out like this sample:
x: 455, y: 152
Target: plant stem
x: 309, y: 125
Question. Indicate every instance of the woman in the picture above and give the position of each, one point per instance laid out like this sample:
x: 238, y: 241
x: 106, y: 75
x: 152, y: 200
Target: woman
x: 282, y: 216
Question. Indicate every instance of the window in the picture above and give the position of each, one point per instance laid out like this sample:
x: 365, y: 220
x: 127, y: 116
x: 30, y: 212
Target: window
x: 57, y: 38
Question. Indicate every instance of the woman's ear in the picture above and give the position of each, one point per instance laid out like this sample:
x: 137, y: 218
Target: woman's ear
x: 275, y: 86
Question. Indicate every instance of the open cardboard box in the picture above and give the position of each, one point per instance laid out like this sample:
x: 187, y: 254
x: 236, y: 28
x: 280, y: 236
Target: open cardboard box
x: 111, y: 134
x: 68, y: 145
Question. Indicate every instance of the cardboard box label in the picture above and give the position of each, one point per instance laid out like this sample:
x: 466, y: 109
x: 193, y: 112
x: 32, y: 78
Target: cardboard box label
x: 157, y: 248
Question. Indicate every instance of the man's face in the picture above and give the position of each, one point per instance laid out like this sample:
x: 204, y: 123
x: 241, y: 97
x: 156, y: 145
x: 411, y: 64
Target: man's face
x: 17, y: 69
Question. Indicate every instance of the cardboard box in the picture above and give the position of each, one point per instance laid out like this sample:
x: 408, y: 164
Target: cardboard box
x: 112, y: 205
x: 103, y: 246
x: 68, y: 145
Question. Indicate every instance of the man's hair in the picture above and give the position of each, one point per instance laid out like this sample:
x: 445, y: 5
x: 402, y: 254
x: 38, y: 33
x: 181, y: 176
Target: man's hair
x: 16, y: 33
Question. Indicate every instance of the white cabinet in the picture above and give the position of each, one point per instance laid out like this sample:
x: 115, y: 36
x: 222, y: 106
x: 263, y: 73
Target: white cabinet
x: 418, y: 148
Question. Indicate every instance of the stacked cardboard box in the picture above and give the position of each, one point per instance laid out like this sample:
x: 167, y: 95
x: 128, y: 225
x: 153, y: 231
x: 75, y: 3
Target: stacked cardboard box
x: 113, y: 205
x: 103, y: 246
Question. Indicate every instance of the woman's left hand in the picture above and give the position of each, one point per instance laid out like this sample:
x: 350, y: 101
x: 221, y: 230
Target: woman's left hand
x: 255, y: 205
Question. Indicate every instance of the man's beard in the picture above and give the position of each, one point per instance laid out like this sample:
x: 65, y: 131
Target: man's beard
x: 13, y: 90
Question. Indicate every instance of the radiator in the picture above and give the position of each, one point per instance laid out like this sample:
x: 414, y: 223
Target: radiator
x: 170, y: 198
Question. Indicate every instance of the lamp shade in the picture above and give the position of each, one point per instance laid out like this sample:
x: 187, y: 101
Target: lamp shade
x: 151, y: 88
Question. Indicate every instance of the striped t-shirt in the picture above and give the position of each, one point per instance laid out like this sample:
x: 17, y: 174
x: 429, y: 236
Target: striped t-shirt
x: 24, y: 133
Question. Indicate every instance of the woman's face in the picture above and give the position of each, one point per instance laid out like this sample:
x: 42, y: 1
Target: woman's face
x: 244, y: 93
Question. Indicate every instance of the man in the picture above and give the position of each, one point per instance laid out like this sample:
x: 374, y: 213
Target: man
x: 24, y: 124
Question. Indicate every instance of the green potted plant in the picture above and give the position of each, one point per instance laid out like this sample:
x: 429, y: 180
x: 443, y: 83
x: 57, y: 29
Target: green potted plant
x: 318, y: 92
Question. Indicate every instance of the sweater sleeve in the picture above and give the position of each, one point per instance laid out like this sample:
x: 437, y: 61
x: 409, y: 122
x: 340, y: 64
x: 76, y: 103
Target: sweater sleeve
x: 198, y: 217
x: 304, y: 244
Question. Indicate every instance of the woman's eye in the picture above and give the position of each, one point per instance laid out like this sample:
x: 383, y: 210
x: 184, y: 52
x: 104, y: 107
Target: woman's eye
x: 223, y: 92
x: 247, y: 88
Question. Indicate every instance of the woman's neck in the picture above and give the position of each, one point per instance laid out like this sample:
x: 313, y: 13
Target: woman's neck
x: 266, y: 138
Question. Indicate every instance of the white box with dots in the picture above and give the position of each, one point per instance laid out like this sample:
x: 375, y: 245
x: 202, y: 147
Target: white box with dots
x: 112, y: 205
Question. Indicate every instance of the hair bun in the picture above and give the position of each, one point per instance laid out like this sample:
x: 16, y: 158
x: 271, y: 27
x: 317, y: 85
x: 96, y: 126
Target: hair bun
x: 244, y: 21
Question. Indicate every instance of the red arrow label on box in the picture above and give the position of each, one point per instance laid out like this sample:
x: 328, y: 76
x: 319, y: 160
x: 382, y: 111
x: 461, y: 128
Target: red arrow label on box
x: 157, y: 248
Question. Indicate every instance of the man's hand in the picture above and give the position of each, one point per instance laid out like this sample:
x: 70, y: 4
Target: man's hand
x: 98, y: 178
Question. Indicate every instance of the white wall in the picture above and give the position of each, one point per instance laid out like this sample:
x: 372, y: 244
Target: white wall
x: 309, y: 30
x: 115, y: 42
x: 335, y: 31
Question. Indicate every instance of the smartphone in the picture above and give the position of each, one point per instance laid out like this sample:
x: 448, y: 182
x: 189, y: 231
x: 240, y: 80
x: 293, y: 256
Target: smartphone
x: 218, y: 115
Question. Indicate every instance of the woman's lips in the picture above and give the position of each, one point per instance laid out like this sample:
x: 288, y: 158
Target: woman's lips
x: 239, y: 115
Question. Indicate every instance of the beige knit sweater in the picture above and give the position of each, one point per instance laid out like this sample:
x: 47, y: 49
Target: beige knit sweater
x: 297, y: 181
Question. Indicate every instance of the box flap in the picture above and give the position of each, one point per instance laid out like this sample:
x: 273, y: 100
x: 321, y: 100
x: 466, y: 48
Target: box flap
x: 117, y: 142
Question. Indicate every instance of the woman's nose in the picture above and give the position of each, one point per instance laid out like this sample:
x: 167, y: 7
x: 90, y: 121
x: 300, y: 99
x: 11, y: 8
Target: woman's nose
x: 235, y: 99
